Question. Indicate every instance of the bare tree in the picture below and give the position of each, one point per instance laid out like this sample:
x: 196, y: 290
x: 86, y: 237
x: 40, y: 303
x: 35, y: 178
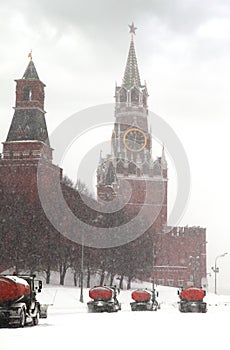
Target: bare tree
x: 67, y: 181
x: 82, y: 188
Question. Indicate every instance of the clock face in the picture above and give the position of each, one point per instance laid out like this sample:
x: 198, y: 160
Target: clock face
x: 135, y: 140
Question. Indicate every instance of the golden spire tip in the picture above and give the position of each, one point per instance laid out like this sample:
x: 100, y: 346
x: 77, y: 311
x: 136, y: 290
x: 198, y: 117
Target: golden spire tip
x: 30, y: 55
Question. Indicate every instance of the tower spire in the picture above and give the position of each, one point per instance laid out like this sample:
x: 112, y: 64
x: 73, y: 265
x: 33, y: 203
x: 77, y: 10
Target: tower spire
x: 28, y: 123
x: 163, y: 158
x: 30, y: 55
x: 131, y: 76
x: 30, y: 72
x: 27, y: 139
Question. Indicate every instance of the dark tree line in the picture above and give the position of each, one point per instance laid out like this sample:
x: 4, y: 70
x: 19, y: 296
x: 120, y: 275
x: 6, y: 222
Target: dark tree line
x: 29, y: 242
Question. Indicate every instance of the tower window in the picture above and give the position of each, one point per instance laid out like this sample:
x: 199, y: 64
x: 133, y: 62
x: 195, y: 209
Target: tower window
x: 120, y: 167
x: 145, y: 168
x: 135, y: 96
x: 180, y: 283
x: 170, y: 283
x: 157, y: 168
x: 19, y: 132
x: 132, y: 168
x: 27, y: 93
x: 123, y: 95
x: 27, y: 131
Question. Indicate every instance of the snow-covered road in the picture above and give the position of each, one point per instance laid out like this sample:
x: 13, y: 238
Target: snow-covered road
x: 69, y: 326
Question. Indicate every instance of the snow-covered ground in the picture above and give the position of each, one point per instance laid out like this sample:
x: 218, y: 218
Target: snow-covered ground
x: 70, y: 326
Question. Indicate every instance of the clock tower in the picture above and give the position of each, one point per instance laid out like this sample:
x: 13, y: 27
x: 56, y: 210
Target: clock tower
x: 130, y: 171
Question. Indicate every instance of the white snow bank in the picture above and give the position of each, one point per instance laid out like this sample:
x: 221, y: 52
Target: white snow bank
x: 69, y: 325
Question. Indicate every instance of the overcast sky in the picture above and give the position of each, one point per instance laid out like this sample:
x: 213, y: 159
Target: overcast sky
x: 183, y: 48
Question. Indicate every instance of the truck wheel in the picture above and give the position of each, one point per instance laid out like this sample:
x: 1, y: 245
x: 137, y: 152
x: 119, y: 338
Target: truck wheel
x: 22, y: 318
x: 182, y: 308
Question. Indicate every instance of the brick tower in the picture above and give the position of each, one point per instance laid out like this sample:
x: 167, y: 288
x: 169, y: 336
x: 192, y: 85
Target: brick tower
x: 177, y: 254
x: 27, y: 140
x: 131, y: 167
x: 27, y: 237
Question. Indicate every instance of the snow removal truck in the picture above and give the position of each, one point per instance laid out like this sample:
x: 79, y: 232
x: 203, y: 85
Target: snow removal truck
x: 191, y: 300
x: 104, y: 299
x: 144, y: 300
x: 18, y: 303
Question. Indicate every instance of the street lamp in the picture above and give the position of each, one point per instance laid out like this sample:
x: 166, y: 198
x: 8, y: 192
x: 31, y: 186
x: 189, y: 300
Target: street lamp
x: 216, y: 269
x: 82, y: 268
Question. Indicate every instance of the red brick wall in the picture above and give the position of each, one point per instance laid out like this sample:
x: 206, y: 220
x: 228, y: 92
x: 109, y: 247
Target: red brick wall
x: 26, y: 150
x: 20, y: 175
x: 181, y: 255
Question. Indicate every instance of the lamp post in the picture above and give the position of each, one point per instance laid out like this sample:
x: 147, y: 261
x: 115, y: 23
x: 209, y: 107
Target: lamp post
x: 82, y: 268
x: 202, y: 267
x: 216, y: 269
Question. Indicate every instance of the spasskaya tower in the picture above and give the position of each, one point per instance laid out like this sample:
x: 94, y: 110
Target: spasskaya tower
x: 130, y: 172
x: 130, y: 165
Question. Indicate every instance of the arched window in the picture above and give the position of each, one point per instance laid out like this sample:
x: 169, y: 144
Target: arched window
x: 120, y: 167
x: 19, y: 132
x: 123, y: 95
x: 27, y: 93
x: 27, y: 131
x: 157, y: 168
x: 132, y: 168
x: 145, y: 168
x: 135, y: 96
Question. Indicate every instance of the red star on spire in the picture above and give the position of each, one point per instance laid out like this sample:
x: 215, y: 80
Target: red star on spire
x: 132, y: 28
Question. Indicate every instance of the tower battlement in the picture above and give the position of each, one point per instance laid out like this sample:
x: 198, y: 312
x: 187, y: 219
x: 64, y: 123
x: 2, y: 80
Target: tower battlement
x: 185, y: 231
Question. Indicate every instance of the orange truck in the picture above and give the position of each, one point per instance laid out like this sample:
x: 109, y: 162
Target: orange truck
x: 18, y: 303
x: 103, y: 299
x: 191, y: 300
x: 144, y: 300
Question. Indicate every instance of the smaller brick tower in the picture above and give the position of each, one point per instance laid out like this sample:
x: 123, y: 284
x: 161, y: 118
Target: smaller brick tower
x: 27, y: 141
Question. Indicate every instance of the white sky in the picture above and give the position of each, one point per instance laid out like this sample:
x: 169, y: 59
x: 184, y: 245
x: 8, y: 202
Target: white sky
x: 183, y: 50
